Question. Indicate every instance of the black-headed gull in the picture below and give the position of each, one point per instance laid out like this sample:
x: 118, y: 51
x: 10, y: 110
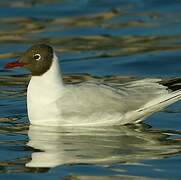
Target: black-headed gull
x: 52, y: 103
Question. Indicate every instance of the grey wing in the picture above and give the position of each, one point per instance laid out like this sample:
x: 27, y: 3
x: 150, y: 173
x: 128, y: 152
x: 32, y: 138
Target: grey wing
x: 92, y: 96
x: 147, y: 96
x: 129, y: 102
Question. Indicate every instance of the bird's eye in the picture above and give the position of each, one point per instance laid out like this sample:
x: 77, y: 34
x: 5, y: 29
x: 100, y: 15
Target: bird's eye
x: 37, y: 57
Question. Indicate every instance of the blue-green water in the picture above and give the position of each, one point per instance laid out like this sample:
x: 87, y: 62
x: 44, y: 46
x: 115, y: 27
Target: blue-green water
x: 112, y: 40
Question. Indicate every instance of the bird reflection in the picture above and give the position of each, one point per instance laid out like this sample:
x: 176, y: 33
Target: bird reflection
x: 98, y: 145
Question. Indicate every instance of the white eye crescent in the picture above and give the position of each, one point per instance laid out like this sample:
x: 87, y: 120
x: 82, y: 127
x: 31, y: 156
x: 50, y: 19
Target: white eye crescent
x: 37, y: 57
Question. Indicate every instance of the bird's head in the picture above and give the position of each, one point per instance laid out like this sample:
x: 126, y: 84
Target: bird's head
x: 37, y: 59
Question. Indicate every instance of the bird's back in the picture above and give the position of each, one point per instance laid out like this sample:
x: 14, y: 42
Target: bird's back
x: 112, y: 103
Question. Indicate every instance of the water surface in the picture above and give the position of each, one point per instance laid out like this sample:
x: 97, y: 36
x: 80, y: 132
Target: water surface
x: 113, y: 41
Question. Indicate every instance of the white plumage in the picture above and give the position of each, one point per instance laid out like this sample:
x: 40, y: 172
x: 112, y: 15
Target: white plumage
x: 51, y: 103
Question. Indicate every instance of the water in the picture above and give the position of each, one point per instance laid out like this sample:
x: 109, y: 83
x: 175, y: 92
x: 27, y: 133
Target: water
x: 113, y: 40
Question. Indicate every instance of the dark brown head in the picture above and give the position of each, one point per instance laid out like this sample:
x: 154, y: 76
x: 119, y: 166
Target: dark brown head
x: 38, y: 59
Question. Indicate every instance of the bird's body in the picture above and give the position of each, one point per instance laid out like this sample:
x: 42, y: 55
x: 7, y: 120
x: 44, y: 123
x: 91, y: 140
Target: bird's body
x: 52, y: 103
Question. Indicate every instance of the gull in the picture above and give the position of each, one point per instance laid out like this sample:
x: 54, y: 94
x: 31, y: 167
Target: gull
x: 51, y: 102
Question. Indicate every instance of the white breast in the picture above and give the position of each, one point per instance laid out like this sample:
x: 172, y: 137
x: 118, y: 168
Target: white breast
x: 42, y: 94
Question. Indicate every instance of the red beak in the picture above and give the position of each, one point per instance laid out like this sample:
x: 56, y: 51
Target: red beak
x: 14, y: 64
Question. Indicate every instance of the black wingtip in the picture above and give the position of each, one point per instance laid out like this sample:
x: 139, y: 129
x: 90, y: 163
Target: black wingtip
x: 172, y: 84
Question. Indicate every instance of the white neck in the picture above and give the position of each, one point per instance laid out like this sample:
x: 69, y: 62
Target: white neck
x: 42, y: 92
